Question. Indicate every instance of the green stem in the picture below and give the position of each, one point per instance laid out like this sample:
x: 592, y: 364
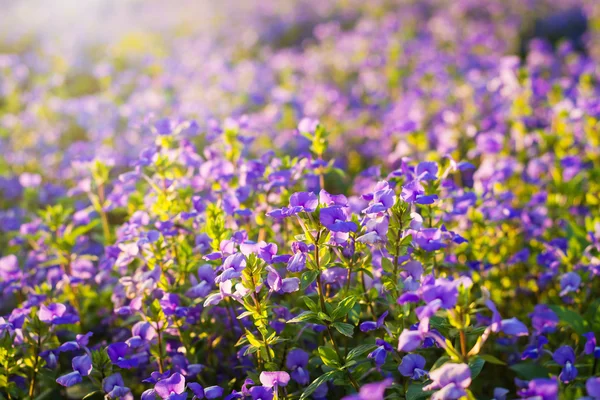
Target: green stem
x: 261, y: 323
x: 366, y: 294
x: 324, y: 310
x: 463, y: 344
x: 32, y: 382
x: 103, y: 216
x: 160, y: 350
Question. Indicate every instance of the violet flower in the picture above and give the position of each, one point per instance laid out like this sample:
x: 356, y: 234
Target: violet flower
x: 565, y: 357
x: 380, y: 353
x: 591, y: 346
x: 213, y: 392
x: 82, y: 366
x: 592, y: 386
x: 117, y: 353
x: 335, y: 218
x: 274, y: 379
x: 412, y: 366
x: 372, y: 325
x: 451, y: 381
x: 542, y: 389
x: 114, y: 386
x: 297, y: 362
x: 513, y: 327
x: 543, y: 319
x: 56, y: 314
x: 172, y: 388
x: 371, y: 391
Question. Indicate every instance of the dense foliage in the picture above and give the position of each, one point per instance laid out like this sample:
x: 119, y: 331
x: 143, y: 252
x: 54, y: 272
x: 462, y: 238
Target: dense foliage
x: 346, y: 200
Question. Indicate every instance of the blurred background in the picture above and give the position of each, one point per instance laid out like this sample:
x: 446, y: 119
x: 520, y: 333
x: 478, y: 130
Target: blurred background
x: 85, y: 79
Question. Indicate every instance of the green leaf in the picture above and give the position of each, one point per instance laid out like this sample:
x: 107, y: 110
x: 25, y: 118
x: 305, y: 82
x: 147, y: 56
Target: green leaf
x: 253, y: 340
x: 97, y: 394
x: 530, y: 370
x: 329, y: 357
x: 307, y: 278
x: 476, y: 365
x: 492, y: 359
x: 344, y: 329
x: 387, y: 265
x: 310, y: 304
x: 415, y: 392
x: 344, y: 307
x: 318, y: 382
x: 571, y: 319
x: 323, y: 317
x: 592, y: 315
x: 360, y: 350
x: 305, y: 316
x: 389, y: 283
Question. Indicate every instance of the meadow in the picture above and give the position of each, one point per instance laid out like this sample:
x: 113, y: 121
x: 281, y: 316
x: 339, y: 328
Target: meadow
x: 303, y: 199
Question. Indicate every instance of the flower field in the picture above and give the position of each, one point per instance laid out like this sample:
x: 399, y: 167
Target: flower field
x: 303, y: 199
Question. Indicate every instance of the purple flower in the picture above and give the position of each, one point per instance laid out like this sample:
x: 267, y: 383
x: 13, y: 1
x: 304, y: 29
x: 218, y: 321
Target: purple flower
x: 56, y: 314
x: 156, y: 376
x: 297, y: 361
x: 117, y: 353
x: 82, y: 364
x: 279, y: 285
x: 328, y: 199
x: 297, y: 263
x: 149, y: 394
x: 303, y: 202
x: 232, y: 267
x: 80, y: 342
x: 565, y: 357
x: 30, y: 180
x: 197, y: 389
x: 371, y: 391
x: 500, y: 393
x: 533, y: 351
x: 261, y: 393
x: 451, y: 380
x: 440, y: 289
x: 271, y: 379
x: 592, y: 385
x: 427, y: 171
x: 142, y: 332
x: 409, y: 340
x: 543, y: 319
x: 590, y: 345
x: 413, y: 192
x: 335, y: 218
x: 213, y: 392
x: 308, y: 125
x: 380, y: 353
x: 372, y: 325
x: 408, y: 297
x: 382, y: 200
x: 114, y: 386
x: 513, y: 327
x: 9, y: 268
x: 542, y: 389
x: 569, y: 282
x: 412, y: 366
x: 69, y: 379
x: 172, y: 388
x: 429, y: 239
x: 490, y: 142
